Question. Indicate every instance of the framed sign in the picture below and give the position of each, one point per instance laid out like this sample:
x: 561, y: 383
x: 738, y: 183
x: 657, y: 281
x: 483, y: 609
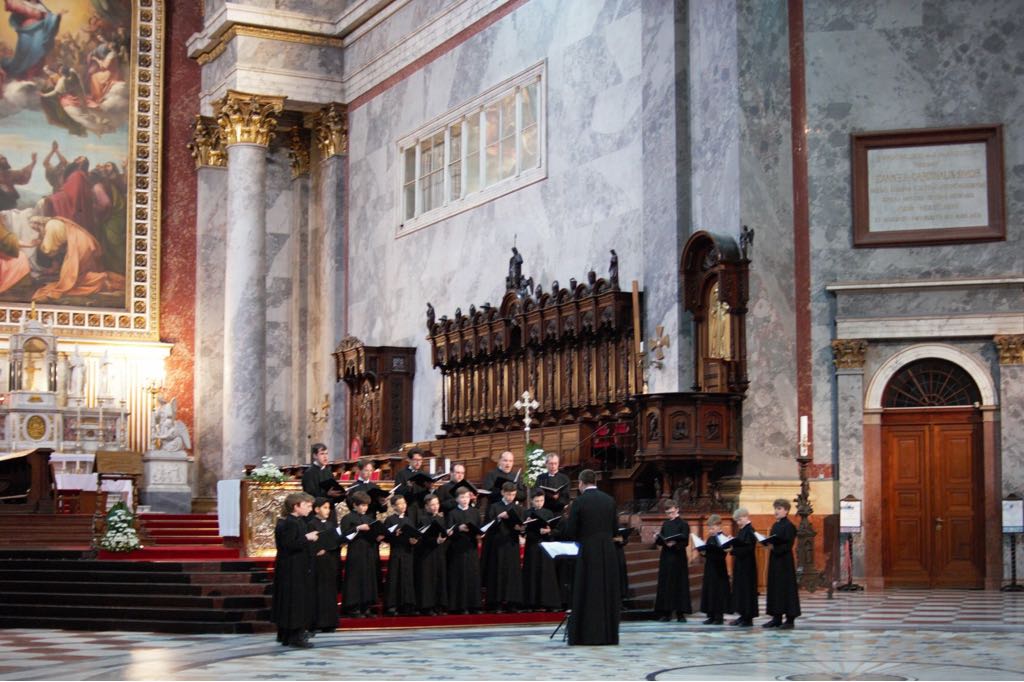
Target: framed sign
x: 850, y: 514
x: 921, y: 187
x: 1013, y: 515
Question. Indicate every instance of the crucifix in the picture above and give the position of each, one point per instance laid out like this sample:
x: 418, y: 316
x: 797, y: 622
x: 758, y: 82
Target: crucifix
x: 527, y: 404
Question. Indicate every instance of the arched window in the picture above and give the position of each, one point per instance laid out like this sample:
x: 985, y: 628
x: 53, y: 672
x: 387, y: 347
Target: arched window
x: 931, y: 382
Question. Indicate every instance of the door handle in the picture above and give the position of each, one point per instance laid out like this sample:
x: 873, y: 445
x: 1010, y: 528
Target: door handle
x: 938, y: 523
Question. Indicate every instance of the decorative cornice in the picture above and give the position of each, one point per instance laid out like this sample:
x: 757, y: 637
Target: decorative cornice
x: 1011, y: 348
x: 849, y: 353
x: 246, y: 118
x: 206, y: 146
x: 298, y: 151
x: 262, y: 33
x: 331, y: 129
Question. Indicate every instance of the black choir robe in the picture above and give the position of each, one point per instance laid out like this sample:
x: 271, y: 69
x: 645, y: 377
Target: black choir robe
x: 327, y: 570
x: 431, y: 570
x: 714, y: 594
x: 312, y: 477
x: 412, y: 492
x: 596, y: 603
x: 490, y: 483
x: 294, y: 585
x: 556, y: 503
x: 463, y: 562
x: 744, y: 573
x: 674, y: 570
x: 445, y: 497
x: 540, y: 582
x: 620, y: 553
x: 401, y: 588
x: 503, y: 576
x: 783, y: 598
x: 361, y: 564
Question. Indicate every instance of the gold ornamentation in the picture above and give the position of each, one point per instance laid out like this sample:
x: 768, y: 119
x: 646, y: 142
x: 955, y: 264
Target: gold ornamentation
x: 849, y: 353
x: 35, y: 427
x: 298, y: 151
x: 279, y: 35
x: 331, y: 130
x: 1011, y: 348
x: 207, y: 146
x: 247, y: 119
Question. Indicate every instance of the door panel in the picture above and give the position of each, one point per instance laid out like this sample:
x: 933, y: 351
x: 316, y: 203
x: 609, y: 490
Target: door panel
x: 955, y: 500
x: 908, y: 545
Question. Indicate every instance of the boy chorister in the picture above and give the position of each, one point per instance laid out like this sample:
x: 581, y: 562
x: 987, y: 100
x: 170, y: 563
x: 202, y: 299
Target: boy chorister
x: 714, y: 594
x: 504, y: 578
x: 783, y: 598
x: 431, y: 557
x: 328, y: 565
x: 744, y: 570
x: 463, y: 555
x: 292, y: 608
x: 540, y: 583
x: 673, y: 568
x: 362, y: 559
x: 400, y: 597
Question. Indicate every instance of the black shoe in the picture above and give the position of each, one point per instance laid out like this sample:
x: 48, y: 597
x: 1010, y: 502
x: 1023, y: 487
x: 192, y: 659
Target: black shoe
x: 327, y: 630
x: 736, y: 621
x: 746, y: 623
x: 301, y: 643
x: 773, y: 623
x: 680, y: 618
x: 709, y: 621
x: 788, y: 625
x: 663, y: 619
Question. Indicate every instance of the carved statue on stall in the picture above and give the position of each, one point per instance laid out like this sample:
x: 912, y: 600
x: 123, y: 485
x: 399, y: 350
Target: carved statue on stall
x: 76, y: 374
x: 168, y: 432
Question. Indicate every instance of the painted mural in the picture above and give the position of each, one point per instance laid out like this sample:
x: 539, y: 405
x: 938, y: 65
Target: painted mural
x: 64, y: 148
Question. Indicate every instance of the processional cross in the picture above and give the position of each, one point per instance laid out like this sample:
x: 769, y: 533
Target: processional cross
x: 527, y: 404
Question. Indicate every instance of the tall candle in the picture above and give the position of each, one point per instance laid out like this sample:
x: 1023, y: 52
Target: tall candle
x: 433, y: 464
x: 803, y: 428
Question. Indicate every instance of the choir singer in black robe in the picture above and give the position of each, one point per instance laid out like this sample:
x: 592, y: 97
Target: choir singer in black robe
x: 744, y: 570
x: 318, y: 472
x: 541, y: 590
x: 359, y: 593
x: 445, y: 494
x: 413, y: 492
x: 596, y: 603
x: 502, y: 574
x: 673, y: 568
x: 552, y: 480
x: 327, y: 566
x: 714, y: 594
x: 463, y: 556
x: 400, y: 596
x: 783, y: 598
x: 292, y: 608
x: 431, y: 559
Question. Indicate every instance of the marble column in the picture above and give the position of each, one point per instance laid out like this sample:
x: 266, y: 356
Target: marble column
x: 1011, y: 428
x: 247, y: 125
x: 329, y: 244
x: 298, y: 150
x: 848, y: 358
x: 211, y: 195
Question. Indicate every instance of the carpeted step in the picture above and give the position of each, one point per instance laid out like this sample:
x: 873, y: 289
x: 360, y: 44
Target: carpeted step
x: 115, y: 610
x: 180, y: 553
x: 461, y: 620
x: 11, y: 600
x: 101, y: 624
x: 126, y: 589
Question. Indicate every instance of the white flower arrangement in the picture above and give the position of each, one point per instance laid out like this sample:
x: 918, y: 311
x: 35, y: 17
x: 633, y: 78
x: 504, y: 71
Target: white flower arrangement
x: 535, y: 457
x: 120, y: 535
x: 266, y: 472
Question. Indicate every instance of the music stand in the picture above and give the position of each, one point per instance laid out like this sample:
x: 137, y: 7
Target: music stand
x: 566, y: 551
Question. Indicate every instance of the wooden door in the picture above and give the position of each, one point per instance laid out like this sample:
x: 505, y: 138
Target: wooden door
x: 933, y: 533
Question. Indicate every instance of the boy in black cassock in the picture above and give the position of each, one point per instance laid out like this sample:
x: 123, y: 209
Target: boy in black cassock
x: 714, y: 593
x: 744, y: 570
x: 463, y: 556
x: 673, y: 568
x: 540, y: 583
x: 328, y: 565
x: 292, y: 608
x: 400, y: 597
x: 783, y: 598
x: 503, y: 575
x: 431, y: 557
x: 362, y: 558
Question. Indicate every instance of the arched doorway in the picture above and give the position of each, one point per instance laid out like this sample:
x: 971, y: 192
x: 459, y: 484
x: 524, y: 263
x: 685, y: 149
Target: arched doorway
x: 932, y: 476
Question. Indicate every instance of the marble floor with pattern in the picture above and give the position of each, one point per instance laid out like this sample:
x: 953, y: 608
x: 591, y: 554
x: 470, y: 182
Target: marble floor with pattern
x: 891, y: 635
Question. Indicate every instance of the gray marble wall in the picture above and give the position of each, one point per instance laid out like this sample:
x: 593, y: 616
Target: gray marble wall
x: 297, y: 254
x: 890, y: 64
x: 211, y: 224
x: 1011, y: 383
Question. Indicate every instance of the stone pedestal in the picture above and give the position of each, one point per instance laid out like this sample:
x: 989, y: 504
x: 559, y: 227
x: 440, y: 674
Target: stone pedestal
x: 166, y: 482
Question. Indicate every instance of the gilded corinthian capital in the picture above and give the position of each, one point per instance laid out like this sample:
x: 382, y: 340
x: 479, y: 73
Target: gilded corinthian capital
x: 849, y: 353
x: 331, y: 130
x: 1011, y: 349
x: 247, y: 119
x: 206, y: 146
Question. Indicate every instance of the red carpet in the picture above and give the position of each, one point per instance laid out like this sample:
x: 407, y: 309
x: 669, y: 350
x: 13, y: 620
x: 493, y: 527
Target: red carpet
x: 452, y: 621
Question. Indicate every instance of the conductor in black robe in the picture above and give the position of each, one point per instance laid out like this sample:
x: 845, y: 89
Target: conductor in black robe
x: 292, y: 608
x: 715, y: 599
x: 317, y: 473
x: 502, y: 574
x: 783, y: 597
x: 673, y: 568
x: 553, y: 479
x: 327, y: 565
x: 541, y: 590
x: 596, y: 603
x: 463, y: 556
x: 744, y: 570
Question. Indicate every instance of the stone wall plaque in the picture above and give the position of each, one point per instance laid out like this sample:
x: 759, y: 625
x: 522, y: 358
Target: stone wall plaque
x: 937, y: 186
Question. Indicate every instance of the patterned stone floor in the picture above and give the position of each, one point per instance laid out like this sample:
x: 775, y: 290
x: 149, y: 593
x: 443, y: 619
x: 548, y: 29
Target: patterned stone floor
x: 892, y: 635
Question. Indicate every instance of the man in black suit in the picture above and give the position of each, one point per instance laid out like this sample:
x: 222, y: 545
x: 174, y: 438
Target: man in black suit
x: 318, y: 472
x: 596, y: 602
